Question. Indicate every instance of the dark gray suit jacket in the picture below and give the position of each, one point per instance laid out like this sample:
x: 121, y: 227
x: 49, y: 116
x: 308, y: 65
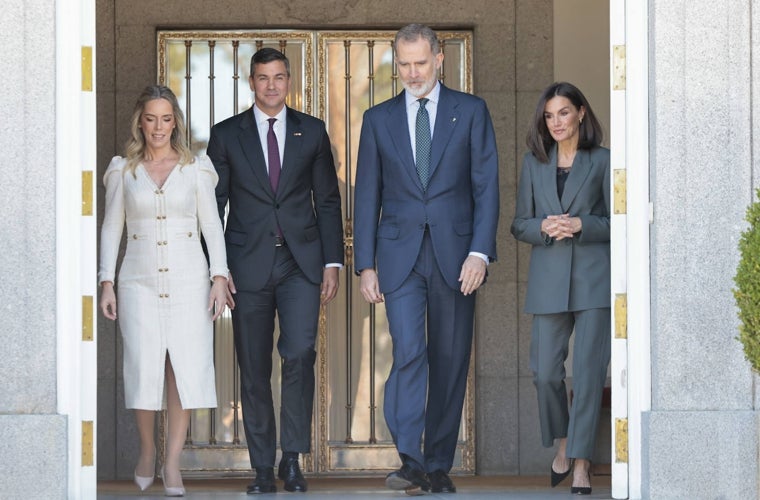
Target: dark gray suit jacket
x: 306, y: 206
x: 570, y: 274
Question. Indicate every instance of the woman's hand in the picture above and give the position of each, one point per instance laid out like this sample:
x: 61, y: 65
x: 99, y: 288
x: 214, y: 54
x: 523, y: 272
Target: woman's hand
x: 219, y: 297
x: 562, y: 226
x: 108, y: 300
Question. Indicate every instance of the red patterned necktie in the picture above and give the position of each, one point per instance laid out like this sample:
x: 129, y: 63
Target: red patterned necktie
x: 273, y: 152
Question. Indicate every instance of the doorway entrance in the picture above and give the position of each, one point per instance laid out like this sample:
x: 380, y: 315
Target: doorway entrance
x: 336, y: 76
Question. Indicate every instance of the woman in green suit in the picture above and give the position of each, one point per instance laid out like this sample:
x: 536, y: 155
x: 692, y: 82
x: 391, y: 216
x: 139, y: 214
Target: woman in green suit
x: 563, y: 211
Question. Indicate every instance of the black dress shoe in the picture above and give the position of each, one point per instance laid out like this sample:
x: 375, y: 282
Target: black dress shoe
x: 558, y: 477
x: 264, y: 482
x: 290, y: 472
x: 440, y: 482
x: 581, y: 490
x: 409, y: 479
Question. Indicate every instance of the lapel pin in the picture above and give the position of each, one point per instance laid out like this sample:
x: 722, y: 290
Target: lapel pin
x: 297, y: 134
x: 454, y: 119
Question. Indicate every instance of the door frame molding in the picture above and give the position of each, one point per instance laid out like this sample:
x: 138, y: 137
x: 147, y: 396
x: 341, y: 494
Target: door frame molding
x: 629, y: 130
x: 76, y: 240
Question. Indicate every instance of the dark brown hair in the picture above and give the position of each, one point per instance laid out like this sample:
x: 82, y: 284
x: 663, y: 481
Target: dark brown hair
x: 539, y: 139
x: 267, y: 55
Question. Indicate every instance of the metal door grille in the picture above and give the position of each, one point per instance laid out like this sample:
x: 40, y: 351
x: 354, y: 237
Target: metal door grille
x: 353, y: 70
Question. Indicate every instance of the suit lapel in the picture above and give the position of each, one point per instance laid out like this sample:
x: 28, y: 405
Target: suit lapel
x: 251, y: 145
x: 576, y: 178
x: 398, y: 129
x: 445, y: 122
x: 292, y: 152
x: 549, y: 183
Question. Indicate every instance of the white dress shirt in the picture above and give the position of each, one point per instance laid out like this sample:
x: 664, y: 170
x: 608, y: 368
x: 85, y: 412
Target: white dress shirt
x: 262, y: 122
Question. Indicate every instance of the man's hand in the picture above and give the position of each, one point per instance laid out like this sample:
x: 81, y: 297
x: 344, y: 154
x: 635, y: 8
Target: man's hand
x: 473, y: 274
x: 329, y: 288
x: 369, y: 286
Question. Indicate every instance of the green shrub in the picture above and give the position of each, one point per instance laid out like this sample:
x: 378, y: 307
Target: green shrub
x: 747, y: 291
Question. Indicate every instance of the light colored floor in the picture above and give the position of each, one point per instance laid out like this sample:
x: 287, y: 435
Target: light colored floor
x: 468, y: 488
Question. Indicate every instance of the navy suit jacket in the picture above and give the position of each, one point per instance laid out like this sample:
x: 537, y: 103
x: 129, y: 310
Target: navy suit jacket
x: 460, y: 205
x: 306, y: 206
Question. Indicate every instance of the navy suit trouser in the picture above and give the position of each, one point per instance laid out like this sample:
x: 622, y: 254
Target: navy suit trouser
x: 295, y: 300
x: 426, y: 386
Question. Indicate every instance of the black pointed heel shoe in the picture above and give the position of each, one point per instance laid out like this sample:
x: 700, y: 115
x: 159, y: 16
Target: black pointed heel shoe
x: 558, y: 477
x: 582, y: 490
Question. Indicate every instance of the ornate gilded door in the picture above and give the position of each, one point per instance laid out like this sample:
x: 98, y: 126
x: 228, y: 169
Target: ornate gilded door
x: 335, y: 75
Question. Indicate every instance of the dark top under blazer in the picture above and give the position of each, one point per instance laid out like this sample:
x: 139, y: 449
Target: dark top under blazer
x: 572, y: 274
x: 306, y: 206
x: 460, y: 205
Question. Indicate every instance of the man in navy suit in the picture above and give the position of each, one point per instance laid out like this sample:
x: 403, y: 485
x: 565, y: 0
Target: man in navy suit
x: 284, y: 240
x: 427, y: 207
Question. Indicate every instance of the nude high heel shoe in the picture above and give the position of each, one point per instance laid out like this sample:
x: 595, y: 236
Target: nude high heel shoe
x: 171, y: 491
x: 143, y: 482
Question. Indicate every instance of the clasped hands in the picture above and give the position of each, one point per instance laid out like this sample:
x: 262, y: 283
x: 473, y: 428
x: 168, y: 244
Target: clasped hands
x: 562, y: 226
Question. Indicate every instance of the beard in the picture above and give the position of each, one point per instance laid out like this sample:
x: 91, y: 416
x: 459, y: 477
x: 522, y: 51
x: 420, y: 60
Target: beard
x: 419, y: 89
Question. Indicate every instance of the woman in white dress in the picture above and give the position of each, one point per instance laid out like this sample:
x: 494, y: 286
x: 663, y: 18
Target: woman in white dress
x: 168, y: 294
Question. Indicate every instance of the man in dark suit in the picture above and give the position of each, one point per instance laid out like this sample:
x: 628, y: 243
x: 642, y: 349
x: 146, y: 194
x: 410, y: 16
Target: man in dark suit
x: 427, y: 207
x: 284, y: 248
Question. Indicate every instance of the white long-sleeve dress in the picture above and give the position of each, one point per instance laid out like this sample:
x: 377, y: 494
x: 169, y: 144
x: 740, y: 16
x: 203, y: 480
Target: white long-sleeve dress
x: 163, y: 285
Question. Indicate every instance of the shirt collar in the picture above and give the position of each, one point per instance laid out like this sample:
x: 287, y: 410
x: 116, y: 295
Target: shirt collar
x: 432, y: 95
x: 260, y: 117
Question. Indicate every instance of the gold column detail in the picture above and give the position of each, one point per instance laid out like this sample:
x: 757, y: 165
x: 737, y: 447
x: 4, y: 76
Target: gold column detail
x: 619, y: 191
x: 348, y: 243
x: 621, y: 440
x: 322, y: 347
x: 87, y: 318
x: 87, y: 192
x: 88, y: 459
x: 618, y: 67
x: 86, y: 69
x: 621, y: 316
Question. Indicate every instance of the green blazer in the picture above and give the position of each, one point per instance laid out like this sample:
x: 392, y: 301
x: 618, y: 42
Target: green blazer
x: 571, y: 274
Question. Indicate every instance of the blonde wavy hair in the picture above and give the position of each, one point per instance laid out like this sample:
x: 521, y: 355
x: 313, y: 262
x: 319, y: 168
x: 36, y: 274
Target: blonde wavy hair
x: 135, y: 146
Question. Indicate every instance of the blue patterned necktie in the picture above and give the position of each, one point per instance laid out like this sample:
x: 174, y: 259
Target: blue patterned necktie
x: 422, y: 142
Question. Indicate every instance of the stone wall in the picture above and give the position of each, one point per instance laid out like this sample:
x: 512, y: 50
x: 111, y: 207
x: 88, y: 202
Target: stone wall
x: 700, y: 438
x: 33, y: 435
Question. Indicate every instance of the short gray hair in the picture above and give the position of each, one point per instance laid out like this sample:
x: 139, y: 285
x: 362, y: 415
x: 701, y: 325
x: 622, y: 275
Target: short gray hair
x: 413, y: 32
